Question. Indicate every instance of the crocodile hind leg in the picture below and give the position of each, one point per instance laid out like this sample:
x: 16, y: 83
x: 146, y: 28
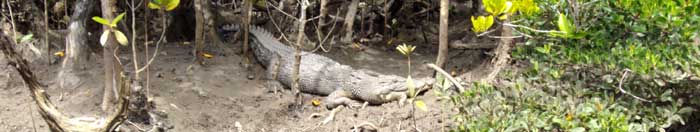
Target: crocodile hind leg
x: 271, y: 82
x: 336, y: 101
x: 400, y: 97
x: 341, y: 97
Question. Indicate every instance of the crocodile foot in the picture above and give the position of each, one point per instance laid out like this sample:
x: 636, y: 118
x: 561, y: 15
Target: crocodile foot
x: 273, y: 86
x: 341, y: 98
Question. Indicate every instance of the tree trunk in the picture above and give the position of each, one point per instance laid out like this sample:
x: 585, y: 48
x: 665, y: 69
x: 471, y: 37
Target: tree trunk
x: 489, y: 70
x: 443, y: 49
x: 76, y: 45
x: 297, y: 54
x: 198, y: 31
x: 323, y: 12
x: 110, y: 66
x: 246, y: 29
x: 350, y: 20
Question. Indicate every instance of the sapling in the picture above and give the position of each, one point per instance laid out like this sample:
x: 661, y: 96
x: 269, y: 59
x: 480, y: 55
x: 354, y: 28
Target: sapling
x: 406, y: 50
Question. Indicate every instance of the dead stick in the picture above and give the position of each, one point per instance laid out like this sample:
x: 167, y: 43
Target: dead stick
x: 448, y: 76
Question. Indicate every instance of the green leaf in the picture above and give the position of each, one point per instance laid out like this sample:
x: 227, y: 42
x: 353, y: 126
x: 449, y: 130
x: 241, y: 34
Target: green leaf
x: 578, y: 129
x: 171, y: 4
x: 686, y: 110
x: 104, y: 37
x: 411, y: 87
x: 117, y: 19
x: 26, y: 38
x: 481, y: 23
x: 421, y: 105
x: 494, y: 7
x: 152, y: 5
x: 121, y: 38
x: 563, y: 24
x: 101, y: 20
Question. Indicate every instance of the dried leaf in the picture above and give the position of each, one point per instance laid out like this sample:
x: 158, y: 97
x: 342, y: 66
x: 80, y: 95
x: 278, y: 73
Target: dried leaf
x: 59, y: 54
x: 315, y: 102
x: 121, y: 38
x: 421, y: 105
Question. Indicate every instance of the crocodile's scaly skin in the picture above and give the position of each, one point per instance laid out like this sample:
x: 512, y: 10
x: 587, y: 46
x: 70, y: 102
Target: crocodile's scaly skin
x: 323, y: 76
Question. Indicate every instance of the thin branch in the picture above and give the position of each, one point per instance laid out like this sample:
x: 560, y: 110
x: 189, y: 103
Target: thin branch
x: 285, y: 13
x: 311, y: 19
x: 12, y: 23
x: 531, y: 29
x: 277, y: 26
x: 448, y: 76
x: 506, y: 37
x: 320, y: 44
x: 155, y: 53
x: 489, y: 31
x: 46, y: 36
x: 133, y: 38
x: 619, y: 87
x: 521, y: 33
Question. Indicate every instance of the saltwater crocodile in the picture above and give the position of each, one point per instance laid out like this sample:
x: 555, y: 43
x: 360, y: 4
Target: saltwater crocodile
x: 321, y: 75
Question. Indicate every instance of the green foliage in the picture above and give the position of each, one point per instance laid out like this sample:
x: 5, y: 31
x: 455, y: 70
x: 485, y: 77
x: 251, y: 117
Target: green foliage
x: 573, y: 82
x: 25, y: 38
x: 168, y: 5
x: 496, y: 7
x: 482, y: 23
x: 526, y: 7
x: 112, y: 24
x: 406, y: 50
x: 566, y: 28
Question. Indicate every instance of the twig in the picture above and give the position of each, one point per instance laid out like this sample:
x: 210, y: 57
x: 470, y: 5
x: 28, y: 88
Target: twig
x: 31, y: 113
x: 155, y: 53
x: 116, y: 91
x: 331, y: 115
x: 368, y: 124
x: 12, y: 23
x: 531, y: 29
x: 619, y: 86
x: 489, y: 31
x: 46, y: 35
x: 133, y: 38
x: 277, y: 26
x: 137, y: 126
x: 381, y: 120
x: 285, y: 13
x: 521, y: 33
x: 448, y: 76
x: 320, y: 44
x: 506, y: 37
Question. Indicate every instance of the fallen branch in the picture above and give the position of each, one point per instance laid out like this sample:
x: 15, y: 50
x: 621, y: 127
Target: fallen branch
x: 57, y: 121
x: 448, y: 76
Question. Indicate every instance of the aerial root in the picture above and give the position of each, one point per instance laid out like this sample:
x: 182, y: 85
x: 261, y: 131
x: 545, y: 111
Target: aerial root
x: 328, y: 119
x: 369, y: 125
